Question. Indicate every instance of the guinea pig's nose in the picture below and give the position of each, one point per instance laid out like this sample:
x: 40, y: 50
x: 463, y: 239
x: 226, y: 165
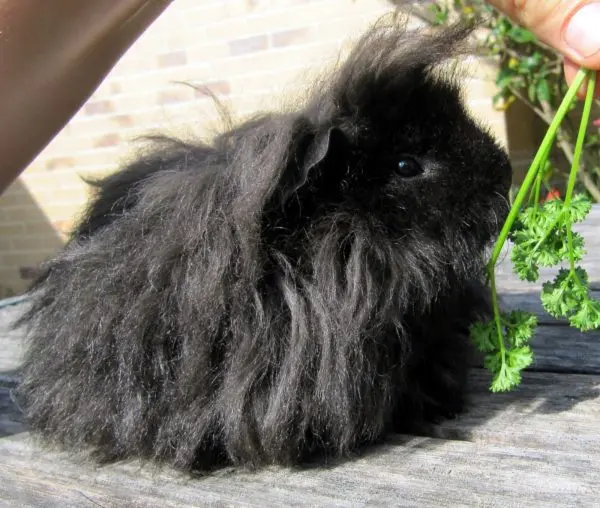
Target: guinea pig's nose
x: 506, y: 170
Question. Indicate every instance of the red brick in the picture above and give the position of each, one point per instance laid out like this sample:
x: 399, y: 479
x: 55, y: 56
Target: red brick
x: 215, y: 87
x: 35, y: 243
x: 248, y: 45
x: 38, y: 227
x: 172, y: 97
x: 172, y: 59
x: 115, y: 88
x: 60, y: 163
x: 8, y: 229
x: 98, y: 107
x: 111, y: 139
x: 123, y: 120
x: 289, y: 37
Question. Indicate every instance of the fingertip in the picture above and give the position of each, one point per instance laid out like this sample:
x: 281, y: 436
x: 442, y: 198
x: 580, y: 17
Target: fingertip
x: 571, y: 69
x: 580, y: 33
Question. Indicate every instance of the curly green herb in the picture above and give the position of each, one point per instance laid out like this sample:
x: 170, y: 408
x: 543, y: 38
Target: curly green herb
x: 542, y: 236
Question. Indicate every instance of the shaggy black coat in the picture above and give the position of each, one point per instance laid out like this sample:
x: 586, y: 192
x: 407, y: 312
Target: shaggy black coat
x: 301, y: 285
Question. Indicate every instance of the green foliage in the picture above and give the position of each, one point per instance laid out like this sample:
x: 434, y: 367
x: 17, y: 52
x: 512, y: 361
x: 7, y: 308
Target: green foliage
x: 505, y: 358
x: 540, y: 236
x: 567, y: 296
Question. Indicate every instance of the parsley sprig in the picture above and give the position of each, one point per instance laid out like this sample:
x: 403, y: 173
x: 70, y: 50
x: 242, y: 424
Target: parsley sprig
x: 542, y: 236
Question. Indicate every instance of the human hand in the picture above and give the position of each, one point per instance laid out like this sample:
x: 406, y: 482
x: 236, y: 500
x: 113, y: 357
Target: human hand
x: 572, y: 27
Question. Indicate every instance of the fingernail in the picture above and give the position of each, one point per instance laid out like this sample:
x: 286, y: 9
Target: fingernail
x: 583, y: 31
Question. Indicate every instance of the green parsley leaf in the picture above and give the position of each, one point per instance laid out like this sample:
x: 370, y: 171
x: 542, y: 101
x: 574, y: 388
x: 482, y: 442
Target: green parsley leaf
x: 520, y: 326
x: 524, y: 265
x: 519, y: 358
x: 493, y: 362
x: 484, y: 336
x: 578, y: 209
x: 588, y: 316
x: 566, y: 293
x: 542, y: 236
x: 505, y: 379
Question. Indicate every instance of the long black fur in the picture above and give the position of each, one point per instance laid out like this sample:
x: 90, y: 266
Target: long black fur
x: 282, y: 291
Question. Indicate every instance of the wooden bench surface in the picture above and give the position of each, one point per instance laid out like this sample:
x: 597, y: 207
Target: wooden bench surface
x: 536, y: 446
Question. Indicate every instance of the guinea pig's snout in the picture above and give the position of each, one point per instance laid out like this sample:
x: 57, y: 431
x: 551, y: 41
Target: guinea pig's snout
x: 491, y: 174
x: 505, y: 174
x: 495, y: 170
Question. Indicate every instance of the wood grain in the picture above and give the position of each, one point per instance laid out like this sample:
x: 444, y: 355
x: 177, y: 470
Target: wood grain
x: 547, y: 411
x: 411, y: 471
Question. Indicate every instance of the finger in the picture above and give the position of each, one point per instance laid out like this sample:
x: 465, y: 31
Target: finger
x: 571, y: 69
x: 572, y: 27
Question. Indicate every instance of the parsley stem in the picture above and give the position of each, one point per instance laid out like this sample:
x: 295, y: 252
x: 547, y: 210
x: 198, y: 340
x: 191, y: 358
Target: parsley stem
x: 585, y: 118
x: 496, y: 308
x: 535, y: 165
x: 536, y: 190
x: 540, y: 173
x: 534, y: 193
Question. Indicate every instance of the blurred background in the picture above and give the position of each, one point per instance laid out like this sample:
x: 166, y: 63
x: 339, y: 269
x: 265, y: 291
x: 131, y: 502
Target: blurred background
x: 251, y: 54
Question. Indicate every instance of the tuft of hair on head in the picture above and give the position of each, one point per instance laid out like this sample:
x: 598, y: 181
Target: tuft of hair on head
x: 393, y: 56
x: 224, y: 114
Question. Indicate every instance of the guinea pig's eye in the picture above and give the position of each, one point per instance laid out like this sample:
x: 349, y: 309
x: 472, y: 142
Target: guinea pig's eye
x: 408, y: 166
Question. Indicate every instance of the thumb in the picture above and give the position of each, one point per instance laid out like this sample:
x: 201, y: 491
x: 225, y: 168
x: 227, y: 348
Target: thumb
x: 571, y: 27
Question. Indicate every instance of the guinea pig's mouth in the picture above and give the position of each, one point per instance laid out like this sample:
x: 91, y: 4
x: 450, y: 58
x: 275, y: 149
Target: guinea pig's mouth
x: 482, y: 223
x: 494, y: 210
x: 492, y: 216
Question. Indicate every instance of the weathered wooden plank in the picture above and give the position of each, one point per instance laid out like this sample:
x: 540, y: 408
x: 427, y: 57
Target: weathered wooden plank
x: 564, y: 349
x: 557, y: 346
x: 547, y: 411
x: 33, y: 487
x: 411, y: 471
x: 508, y: 280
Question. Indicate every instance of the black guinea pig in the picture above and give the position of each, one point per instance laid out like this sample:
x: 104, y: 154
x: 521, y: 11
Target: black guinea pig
x: 299, y: 287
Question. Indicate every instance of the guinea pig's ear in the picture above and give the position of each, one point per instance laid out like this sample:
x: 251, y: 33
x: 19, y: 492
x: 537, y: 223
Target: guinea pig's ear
x: 327, y: 147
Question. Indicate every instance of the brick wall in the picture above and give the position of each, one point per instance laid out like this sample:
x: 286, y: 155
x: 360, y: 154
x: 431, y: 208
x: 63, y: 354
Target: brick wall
x: 245, y: 51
